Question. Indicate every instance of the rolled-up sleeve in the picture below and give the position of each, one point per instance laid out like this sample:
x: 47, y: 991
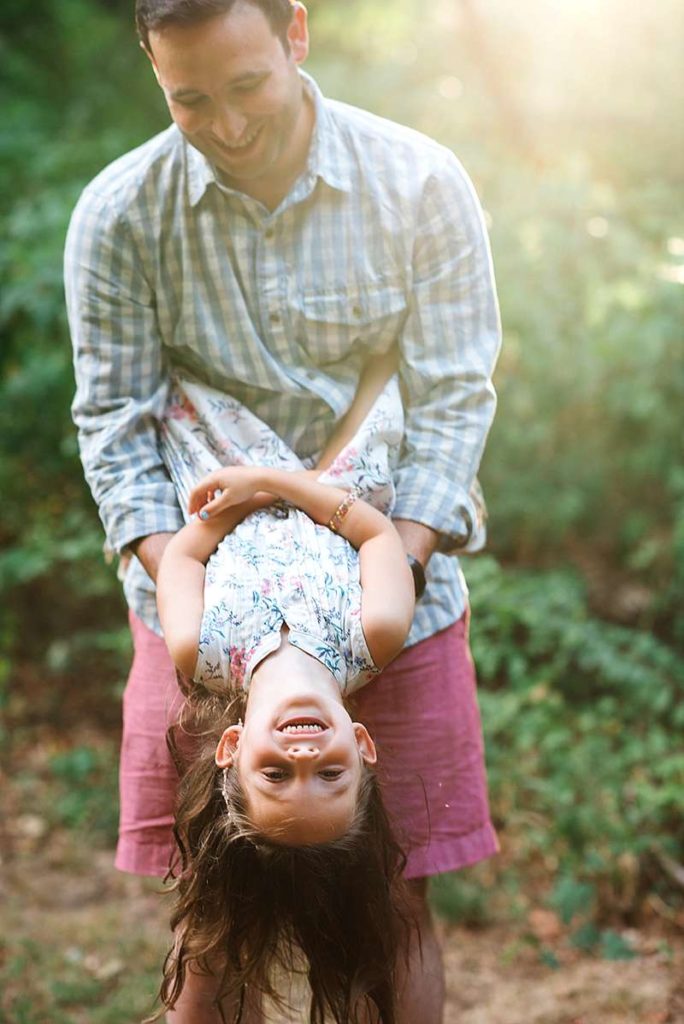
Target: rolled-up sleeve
x: 121, y: 383
x: 448, y: 349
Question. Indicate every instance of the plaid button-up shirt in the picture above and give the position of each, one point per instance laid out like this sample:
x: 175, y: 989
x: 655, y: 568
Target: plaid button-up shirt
x: 380, y: 241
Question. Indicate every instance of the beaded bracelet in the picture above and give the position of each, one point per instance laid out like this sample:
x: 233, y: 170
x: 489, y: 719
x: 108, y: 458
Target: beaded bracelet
x: 342, y: 509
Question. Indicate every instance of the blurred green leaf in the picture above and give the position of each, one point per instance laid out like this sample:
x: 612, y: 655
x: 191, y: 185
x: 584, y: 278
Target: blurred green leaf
x: 615, y: 947
x: 571, y: 898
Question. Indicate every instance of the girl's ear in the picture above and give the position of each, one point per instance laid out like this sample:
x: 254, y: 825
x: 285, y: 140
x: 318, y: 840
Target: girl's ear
x: 227, y: 746
x: 365, y: 743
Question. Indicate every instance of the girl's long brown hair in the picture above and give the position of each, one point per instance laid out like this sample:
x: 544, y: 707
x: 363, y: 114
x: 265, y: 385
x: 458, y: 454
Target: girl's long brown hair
x: 245, y: 905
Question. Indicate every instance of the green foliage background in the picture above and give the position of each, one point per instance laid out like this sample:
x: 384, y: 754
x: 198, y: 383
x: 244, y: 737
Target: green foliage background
x: 565, y: 116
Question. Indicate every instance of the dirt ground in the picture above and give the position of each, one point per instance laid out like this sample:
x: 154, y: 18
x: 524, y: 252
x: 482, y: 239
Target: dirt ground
x: 93, y: 941
x: 490, y: 983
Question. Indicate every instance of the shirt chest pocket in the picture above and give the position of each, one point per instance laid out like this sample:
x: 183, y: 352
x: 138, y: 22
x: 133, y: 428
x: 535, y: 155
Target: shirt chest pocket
x: 329, y: 325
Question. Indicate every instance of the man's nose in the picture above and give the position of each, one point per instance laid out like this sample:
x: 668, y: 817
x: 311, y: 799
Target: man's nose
x: 229, y: 125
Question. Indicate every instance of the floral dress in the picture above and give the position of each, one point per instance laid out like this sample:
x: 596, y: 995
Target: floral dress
x: 278, y: 568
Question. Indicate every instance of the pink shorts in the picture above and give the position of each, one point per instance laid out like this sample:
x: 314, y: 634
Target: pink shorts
x: 422, y: 712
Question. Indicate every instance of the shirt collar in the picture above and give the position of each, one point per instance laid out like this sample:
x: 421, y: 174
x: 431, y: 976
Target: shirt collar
x: 327, y: 156
x: 200, y: 172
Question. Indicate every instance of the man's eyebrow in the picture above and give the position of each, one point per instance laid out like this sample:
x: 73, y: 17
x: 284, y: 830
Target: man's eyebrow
x: 181, y: 94
x: 247, y: 76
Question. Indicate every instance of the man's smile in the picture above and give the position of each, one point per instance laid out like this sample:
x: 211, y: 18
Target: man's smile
x: 241, y: 147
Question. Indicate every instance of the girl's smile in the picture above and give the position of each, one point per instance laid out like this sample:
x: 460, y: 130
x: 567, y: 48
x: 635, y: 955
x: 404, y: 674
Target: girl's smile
x: 302, y: 726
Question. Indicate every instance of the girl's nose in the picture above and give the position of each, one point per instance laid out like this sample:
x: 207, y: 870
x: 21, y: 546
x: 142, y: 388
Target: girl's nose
x: 303, y: 751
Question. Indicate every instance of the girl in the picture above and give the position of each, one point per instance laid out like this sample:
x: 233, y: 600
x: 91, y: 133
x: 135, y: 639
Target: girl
x: 287, y: 590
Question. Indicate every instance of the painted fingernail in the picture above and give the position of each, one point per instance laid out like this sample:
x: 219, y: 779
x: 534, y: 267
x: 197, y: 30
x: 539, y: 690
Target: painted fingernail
x: 204, y: 514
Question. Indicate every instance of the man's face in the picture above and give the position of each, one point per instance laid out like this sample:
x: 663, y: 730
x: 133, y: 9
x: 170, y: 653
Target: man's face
x: 235, y: 92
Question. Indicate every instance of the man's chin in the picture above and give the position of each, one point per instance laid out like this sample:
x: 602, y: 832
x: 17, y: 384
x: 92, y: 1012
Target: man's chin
x: 243, y: 165
x: 235, y: 169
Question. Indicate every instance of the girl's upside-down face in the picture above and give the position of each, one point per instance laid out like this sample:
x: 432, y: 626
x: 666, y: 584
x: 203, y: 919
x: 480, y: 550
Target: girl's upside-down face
x: 299, y: 756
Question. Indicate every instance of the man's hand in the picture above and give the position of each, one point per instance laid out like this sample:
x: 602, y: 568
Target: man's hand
x: 149, y: 551
x: 418, y: 540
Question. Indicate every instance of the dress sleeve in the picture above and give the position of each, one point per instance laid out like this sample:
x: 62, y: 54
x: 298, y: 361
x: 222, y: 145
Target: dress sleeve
x: 121, y: 383
x: 448, y: 350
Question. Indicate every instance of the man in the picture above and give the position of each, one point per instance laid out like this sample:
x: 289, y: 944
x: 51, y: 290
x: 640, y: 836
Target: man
x: 268, y: 243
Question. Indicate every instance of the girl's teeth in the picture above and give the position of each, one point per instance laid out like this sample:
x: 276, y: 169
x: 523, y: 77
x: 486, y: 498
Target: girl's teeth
x: 302, y: 728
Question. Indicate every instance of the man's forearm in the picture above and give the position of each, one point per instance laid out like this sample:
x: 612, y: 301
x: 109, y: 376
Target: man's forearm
x: 149, y: 550
x: 448, y: 348
x: 418, y: 540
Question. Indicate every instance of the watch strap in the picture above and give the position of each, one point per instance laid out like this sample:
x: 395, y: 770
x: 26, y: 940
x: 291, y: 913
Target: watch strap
x: 418, y: 573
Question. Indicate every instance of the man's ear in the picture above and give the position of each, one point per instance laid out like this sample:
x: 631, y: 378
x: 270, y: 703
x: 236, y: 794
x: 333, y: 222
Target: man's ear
x: 298, y: 34
x: 227, y: 746
x: 365, y: 743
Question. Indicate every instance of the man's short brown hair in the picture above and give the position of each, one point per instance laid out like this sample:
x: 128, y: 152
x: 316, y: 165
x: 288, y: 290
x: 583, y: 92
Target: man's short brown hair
x: 151, y: 15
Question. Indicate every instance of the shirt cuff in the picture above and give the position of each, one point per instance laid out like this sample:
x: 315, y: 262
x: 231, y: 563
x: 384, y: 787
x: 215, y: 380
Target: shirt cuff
x: 458, y: 516
x: 128, y: 525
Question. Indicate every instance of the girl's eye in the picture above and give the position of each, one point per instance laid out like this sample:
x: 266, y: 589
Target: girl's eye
x: 331, y: 773
x: 275, y: 774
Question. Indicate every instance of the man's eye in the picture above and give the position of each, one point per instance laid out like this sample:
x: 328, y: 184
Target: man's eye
x: 250, y: 86
x: 194, y: 102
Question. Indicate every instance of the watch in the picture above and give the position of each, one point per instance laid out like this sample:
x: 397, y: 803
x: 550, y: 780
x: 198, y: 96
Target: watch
x: 418, y: 573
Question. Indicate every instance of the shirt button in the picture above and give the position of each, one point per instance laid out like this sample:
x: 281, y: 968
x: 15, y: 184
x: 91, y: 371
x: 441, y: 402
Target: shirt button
x: 274, y: 318
x: 269, y: 233
x: 356, y: 310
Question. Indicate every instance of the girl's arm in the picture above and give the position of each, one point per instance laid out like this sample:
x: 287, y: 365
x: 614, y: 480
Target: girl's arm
x: 388, y: 600
x: 387, y: 594
x: 180, y: 580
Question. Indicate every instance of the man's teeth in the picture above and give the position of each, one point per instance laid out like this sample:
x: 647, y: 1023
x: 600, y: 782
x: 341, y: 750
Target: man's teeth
x: 242, y: 145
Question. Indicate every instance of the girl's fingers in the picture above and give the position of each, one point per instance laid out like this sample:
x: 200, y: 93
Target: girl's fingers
x: 196, y: 498
x: 213, y: 486
x: 222, y: 501
x: 203, y: 492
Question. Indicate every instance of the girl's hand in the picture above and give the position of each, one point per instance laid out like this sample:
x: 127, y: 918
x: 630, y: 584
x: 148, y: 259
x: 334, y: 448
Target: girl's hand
x: 224, y: 488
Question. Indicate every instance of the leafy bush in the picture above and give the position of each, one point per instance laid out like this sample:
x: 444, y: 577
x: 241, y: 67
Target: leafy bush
x: 83, y: 789
x: 61, y: 124
x: 590, y: 377
x: 581, y: 721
